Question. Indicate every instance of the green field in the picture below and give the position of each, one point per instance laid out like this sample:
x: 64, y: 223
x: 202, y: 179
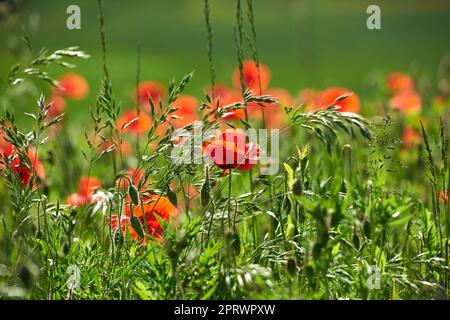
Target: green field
x: 305, y: 43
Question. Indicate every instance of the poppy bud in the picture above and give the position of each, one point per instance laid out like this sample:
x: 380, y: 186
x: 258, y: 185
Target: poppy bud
x: 317, y: 250
x: 172, y: 196
x: 206, y: 188
x: 366, y: 229
x: 309, y: 270
x: 118, y: 237
x: 134, y: 194
x: 297, y: 187
x: 233, y: 241
x: 136, y: 224
x: 291, y: 266
x: 26, y: 276
x: 355, y: 239
x: 66, y: 249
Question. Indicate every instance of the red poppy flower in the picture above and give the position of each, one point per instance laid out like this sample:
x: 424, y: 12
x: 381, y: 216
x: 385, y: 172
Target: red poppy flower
x: 19, y: 167
x: 150, y: 89
x: 131, y: 122
x: 76, y: 200
x: 250, y: 73
x: 191, y: 192
x: 186, y: 113
x: 125, y: 147
x: 57, y: 107
x: 73, y: 86
x: 88, y: 185
x: 308, y: 98
x: 86, y: 189
x: 411, y: 137
x: 134, y: 174
x: 274, y: 113
x: 223, y: 96
x: 124, y: 223
x: 349, y: 104
x: 398, y: 81
x: 406, y: 102
x: 230, y: 151
x: 153, y: 205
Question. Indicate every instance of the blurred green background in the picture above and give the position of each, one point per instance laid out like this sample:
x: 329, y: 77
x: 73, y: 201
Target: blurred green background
x: 306, y: 43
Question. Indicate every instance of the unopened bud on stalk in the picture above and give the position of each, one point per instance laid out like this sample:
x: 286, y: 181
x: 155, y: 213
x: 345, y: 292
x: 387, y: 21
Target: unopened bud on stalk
x: 172, y: 196
x: 118, y: 237
x: 291, y: 266
x: 66, y: 248
x: 26, y: 276
x: 233, y: 241
x: 205, y: 190
x: 134, y: 194
x: 297, y: 187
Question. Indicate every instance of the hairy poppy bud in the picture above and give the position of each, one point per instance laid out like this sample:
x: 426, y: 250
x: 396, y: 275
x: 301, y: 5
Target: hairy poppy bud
x: 134, y: 194
x: 309, y: 270
x: 26, y: 276
x: 172, y: 196
x: 291, y: 266
x: 66, y: 249
x: 136, y: 224
x: 233, y: 241
x: 297, y: 187
x: 366, y: 229
x: 355, y: 239
x: 204, y: 192
x: 118, y: 237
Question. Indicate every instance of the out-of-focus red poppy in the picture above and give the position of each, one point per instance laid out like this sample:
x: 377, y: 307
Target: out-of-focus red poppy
x: 406, y: 102
x: 398, y: 81
x: 134, y: 174
x: 349, y: 104
x: 411, y: 137
x: 274, y: 114
x: 125, y: 148
x: 229, y: 150
x: 88, y: 185
x: 153, y: 205
x: 124, y: 223
x: 86, y: 189
x: 19, y: 167
x: 250, y: 73
x: 57, y: 107
x: 73, y: 86
x: 150, y: 89
x: 76, y: 200
x: 190, y: 191
x: 131, y: 122
x: 308, y: 98
x: 223, y: 96
x: 3, y: 142
x: 187, y: 111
